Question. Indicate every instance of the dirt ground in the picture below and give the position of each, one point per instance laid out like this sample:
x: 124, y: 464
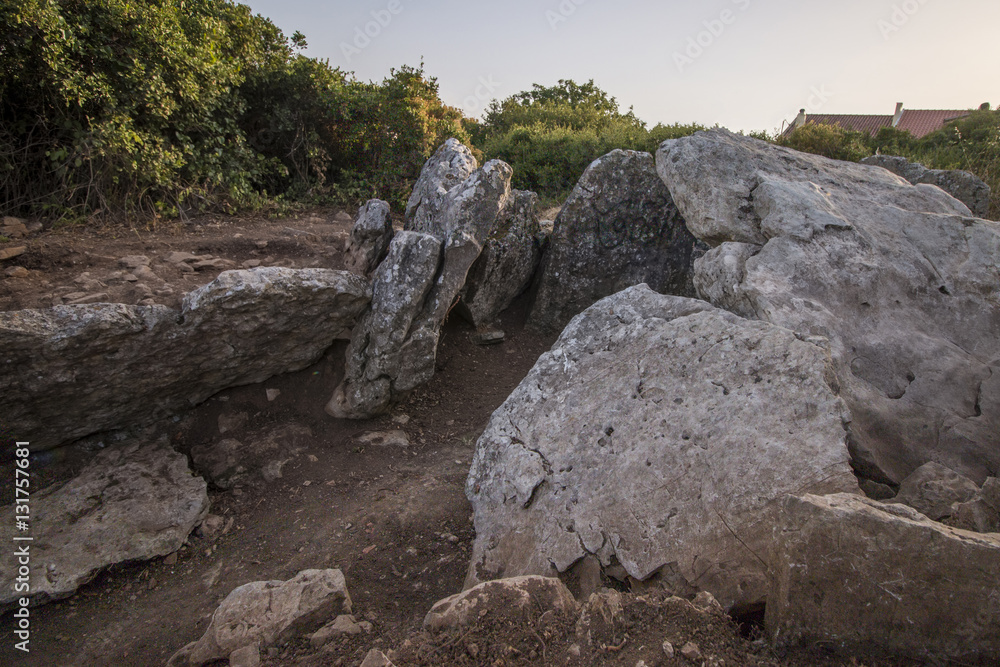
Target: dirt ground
x: 394, y: 518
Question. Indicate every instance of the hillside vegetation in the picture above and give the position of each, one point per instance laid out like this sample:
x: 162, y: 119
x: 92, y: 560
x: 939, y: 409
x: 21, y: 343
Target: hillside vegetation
x: 161, y: 108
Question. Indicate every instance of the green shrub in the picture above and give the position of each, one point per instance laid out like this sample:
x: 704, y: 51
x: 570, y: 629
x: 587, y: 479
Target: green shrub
x: 830, y: 141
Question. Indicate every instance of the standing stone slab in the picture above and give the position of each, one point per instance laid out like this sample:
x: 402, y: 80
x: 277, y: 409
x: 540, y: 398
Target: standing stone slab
x: 618, y: 228
x: 77, y: 370
x: 901, y: 279
x: 867, y: 578
x: 964, y: 186
x: 659, y: 431
x: 400, y: 286
x: 508, y: 261
x: 370, y: 237
x: 394, y: 347
x: 129, y: 504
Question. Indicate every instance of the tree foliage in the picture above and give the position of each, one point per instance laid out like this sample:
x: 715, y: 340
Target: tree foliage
x: 154, y: 106
x: 550, y: 134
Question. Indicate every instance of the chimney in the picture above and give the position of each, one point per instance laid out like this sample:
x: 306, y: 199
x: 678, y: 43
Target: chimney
x: 898, y: 115
x: 800, y: 120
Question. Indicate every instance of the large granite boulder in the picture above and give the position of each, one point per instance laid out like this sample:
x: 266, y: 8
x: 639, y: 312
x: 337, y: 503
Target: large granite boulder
x: 507, y: 263
x: 370, y: 237
x: 900, y: 278
x: 394, y: 347
x: 618, y: 228
x: 129, y: 503
x: 964, y: 186
x: 85, y: 369
x: 658, y: 431
x: 865, y: 578
x: 265, y: 613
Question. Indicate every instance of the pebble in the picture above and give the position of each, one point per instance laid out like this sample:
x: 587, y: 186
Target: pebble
x: 7, y: 253
x: 691, y: 651
x: 402, y: 420
x: 133, y: 261
x: 272, y: 394
x: 574, y: 650
x: 251, y: 264
x: 668, y: 649
x: 181, y: 257
x: 170, y: 559
x: 100, y: 297
x: 17, y: 272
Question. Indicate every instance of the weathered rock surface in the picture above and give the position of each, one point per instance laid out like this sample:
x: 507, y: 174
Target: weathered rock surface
x: 450, y: 165
x: 370, y: 237
x: 130, y: 503
x: 964, y: 186
x: 936, y: 491
x: 399, y: 288
x: 862, y: 577
x: 394, y: 346
x: 264, y: 613
x: 618, y: 228
x: 507, y: 263
x: 243, y: 327
x: 538, y: 594
x: 982, y: 513
x: 900, y: 278
x: 659, y: 431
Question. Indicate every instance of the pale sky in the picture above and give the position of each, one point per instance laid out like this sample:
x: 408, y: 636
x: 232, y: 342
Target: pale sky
x: 744, y: 64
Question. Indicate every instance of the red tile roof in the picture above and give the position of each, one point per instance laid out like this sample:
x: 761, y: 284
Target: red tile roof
x: 922, y: 122
x: 858, y: 122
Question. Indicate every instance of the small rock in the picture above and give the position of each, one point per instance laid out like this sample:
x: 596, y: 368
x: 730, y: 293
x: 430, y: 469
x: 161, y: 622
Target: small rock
x: 100, y: 297
x: 34, y: 227
x: 574, y: 650
x: 402, y: 420
x: 934, y: 490
x: 272, y: 470
x: 212, y: 525
x: 12, y: 228
x: 386, y: 439
x: 8, y: 253
x: 182, y: 257
x: 261, y: 245
x: 691, y: 651
x: 343, y: 626
x: 232, y: 422
x: 133, y: 261
x: 171, y: 559
x: 130, y: 278
x: 489, y: 337
x: 146, y: 274
x: 214, y: 263
x: 272, y: 394
x: 705, y: 601
x: 185, y: 268
x: 376, y: 658
x: 668, y: 649
x: 17, y: 272
x: 251, y: 264
x: 248, y: 656
x: 343, y: 216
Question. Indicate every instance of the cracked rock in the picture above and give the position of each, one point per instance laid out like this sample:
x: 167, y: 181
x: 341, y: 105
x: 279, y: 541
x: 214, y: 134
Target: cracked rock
x: 900, y: 278
x: 658, y: 431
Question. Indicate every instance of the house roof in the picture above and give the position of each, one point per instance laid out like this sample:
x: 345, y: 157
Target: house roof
x: 918, y: 122
x: 921, y: 122
x: 870, y: 123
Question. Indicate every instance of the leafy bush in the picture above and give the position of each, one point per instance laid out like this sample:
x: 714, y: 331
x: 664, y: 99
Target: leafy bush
x: 549, y: 135
x: 971, y: 143
x: 831, y: 141
x: 155, y: 106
